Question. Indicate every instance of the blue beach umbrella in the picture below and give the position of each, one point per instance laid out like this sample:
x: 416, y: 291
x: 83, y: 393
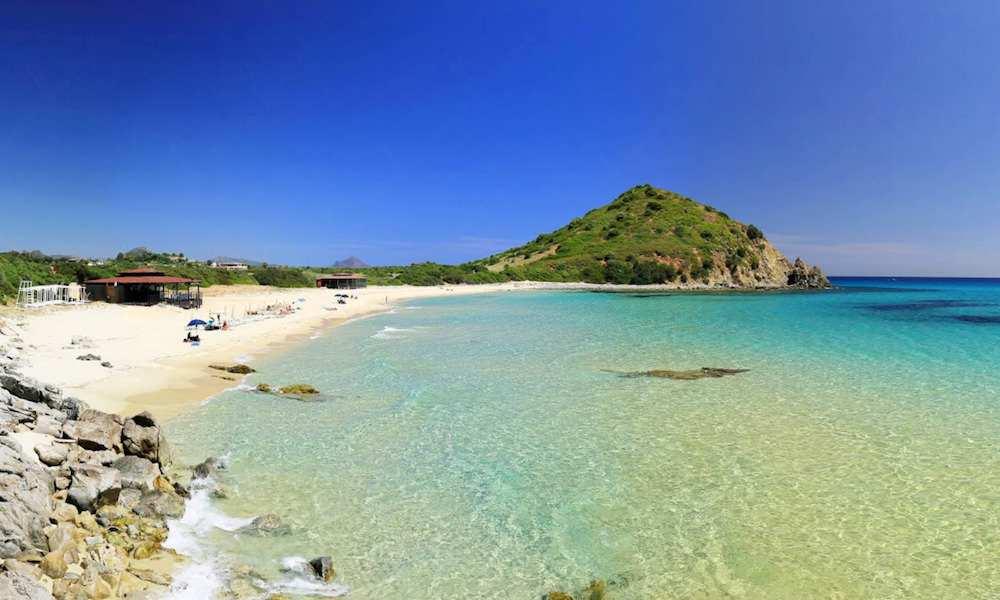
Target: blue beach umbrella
x: 196, y: 323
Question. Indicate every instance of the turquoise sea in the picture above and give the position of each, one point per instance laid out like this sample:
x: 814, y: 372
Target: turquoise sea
x: 475, y: 447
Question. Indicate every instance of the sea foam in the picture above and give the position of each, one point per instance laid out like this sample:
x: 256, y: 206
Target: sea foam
x: 390, y: 333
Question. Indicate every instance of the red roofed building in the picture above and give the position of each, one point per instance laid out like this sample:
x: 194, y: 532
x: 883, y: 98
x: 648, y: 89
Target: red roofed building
x: 146, y: 286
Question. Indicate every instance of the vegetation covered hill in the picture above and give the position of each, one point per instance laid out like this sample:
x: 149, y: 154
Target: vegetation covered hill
x: 649, y: 235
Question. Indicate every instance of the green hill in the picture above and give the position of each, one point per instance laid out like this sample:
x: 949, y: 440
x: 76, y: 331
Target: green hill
x: 649, y: 235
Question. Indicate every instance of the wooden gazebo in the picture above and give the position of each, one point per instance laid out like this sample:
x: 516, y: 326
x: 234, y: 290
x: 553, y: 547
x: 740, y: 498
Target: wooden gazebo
x: 342, y: 281
x: 146, y: 286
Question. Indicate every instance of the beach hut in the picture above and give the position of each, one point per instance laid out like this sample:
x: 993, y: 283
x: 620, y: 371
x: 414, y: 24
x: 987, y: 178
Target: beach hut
x: 342, y: 281
x: 146, y: 286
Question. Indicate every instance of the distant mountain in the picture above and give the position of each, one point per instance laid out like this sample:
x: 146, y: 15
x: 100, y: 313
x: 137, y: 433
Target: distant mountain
x: 651, y: 235
x: 230, y: 259
x: 351, y: 262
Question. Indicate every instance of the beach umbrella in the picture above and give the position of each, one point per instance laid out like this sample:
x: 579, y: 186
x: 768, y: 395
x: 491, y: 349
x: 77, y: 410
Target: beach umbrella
x: 196, y: 322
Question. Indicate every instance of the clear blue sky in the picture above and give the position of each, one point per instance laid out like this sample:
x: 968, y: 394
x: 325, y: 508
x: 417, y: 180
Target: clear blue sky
x: 862, y: 136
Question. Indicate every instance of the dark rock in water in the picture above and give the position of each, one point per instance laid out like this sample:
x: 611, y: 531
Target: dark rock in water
x: 299, y: 389
x: 92, y: 357
x: 322, y: 567
x: 597, y: 590
x: 209, y: 468
x: 107, y: 365
x: 803, y: 276
x: 702, y: 373
x: 558, y: 596
x: 979, y: 319
x: 263, y: 387
x: 181, y: 490
x: 236, y: 369
x: 266, y: 524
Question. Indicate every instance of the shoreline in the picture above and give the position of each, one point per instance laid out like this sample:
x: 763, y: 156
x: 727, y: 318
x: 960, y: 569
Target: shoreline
x: 151, y: 369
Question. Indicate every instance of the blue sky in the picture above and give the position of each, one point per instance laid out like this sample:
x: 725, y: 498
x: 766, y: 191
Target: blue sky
x: 862, y: 136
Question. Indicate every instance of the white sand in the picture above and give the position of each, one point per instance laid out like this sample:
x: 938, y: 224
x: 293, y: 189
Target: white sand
x: 154, y: 370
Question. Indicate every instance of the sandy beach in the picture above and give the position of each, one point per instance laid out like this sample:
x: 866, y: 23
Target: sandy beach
x: 153, y: 369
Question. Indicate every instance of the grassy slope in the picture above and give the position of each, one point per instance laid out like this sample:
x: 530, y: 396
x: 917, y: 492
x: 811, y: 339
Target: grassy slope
x: 651, y: 232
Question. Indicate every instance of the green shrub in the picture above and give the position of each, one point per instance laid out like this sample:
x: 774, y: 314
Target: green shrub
x: 617, y: 272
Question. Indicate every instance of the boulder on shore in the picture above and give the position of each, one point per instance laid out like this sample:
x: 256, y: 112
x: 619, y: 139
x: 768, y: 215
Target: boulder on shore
x: 22, y: 587
x: 25, y: 498
x: 137, y: 472
x: 89, y: 482
x: 96, y: 430
x: 160, y: 503
x: 141, y: 436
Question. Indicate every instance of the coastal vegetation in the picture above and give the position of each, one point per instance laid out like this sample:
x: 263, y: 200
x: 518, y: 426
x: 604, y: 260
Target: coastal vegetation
x: 43, y: 269
x: 646, y: 235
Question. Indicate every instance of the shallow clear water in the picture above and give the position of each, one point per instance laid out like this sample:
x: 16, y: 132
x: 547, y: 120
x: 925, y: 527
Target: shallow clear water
x: 475, y: 447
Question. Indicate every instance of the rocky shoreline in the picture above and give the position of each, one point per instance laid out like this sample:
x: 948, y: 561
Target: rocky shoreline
x: 84, y: 495
x: 85, y: 499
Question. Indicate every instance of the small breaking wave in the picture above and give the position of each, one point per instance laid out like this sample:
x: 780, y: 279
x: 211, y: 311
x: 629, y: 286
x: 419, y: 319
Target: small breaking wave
x: 203, y: 577
x: 390, y: 333
x: 299, y: 580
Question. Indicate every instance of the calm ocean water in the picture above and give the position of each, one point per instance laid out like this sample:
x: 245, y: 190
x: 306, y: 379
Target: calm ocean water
x: 475, y: 447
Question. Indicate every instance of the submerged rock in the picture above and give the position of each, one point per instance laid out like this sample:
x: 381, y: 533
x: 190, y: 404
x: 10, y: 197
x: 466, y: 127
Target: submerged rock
x: 235, y: 369
x: 702, y: 373
x: 263, y: 387
x: 266, y: 524
x: 298, y: 389
x: 208, y: 468
x: 597, y: 590
x: 558, y: 596
x: 92, y: 357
